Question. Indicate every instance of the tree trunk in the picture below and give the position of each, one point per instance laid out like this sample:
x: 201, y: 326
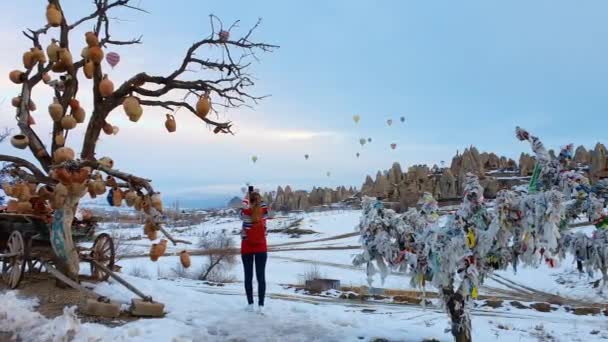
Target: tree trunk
x: 461, y: 322
x: 61, y: 236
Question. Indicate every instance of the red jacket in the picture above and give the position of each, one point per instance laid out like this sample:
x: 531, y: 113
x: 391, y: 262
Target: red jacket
x: 254, y: 234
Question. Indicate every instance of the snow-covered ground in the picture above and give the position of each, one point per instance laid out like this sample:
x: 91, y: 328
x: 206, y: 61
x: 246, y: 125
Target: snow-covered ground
x: 197, y: 311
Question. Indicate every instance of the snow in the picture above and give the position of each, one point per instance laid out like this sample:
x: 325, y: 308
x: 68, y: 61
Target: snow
x: 197, y: 311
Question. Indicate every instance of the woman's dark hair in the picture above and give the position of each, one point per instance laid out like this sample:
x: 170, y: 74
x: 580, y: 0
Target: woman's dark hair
x: 255, y: 202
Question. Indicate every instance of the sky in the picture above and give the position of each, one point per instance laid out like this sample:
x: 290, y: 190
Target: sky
x: 460, y: 72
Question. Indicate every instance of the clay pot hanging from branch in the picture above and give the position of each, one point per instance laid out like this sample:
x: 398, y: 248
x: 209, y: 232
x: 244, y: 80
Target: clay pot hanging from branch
x: 79, y: 115
x: 95, y: 54
x: 91, y: 39
x: 68, y: 122
x: 63, y: 154
x: 20, y: 141
x: 53, y: 50
x: 170, y: 124
x: 203, y: 106
x: 106, y: 87
x: 53, y: 15
x: 88, y: 69
x: 56, y: 110
x: 108, y: 129
x: 16, y: 76
x: 59, y: 139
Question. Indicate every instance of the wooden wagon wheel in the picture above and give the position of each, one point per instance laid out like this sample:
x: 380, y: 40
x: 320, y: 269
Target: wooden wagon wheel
x: 34, y: 265
x: 13, y: 266
x: 104, y: 253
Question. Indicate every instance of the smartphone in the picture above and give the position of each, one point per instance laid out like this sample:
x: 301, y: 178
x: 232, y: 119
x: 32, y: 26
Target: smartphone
x: 251, y: 188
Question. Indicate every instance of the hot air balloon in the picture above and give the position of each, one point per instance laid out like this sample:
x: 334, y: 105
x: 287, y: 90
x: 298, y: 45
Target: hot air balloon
x: 357, y: 154
x: 328, y: 174
x: 389, y: 122
x: 113, y: 58
x: 306, y: 156
x: 393, y: 146
x: 356, y: 118
x: 369, y: 140
x: 362, y: 141
x: 402, y: 119
x: 254, y: 159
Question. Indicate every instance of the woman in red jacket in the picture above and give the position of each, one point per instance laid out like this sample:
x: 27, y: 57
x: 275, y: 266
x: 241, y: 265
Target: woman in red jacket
x: 253, y: 247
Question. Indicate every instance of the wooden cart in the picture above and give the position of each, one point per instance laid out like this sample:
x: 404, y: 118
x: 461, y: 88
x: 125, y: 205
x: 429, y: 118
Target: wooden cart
x: 25, y: 246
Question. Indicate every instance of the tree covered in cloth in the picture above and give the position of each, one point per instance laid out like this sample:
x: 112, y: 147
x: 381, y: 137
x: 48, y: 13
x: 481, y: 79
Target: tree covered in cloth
x: 457, y: 253
x: 60, y: 58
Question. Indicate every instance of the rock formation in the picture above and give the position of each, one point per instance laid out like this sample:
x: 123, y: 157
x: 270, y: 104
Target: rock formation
x: 581, y: 155
x: 599, y: 162
x: 288, y: 200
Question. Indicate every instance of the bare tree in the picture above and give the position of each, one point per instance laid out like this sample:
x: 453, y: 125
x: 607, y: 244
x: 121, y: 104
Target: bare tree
x: 224, y: 83
x: 222, y: 255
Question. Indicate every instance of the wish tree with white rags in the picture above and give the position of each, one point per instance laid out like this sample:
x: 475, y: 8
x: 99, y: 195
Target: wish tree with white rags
x: 455, y: 254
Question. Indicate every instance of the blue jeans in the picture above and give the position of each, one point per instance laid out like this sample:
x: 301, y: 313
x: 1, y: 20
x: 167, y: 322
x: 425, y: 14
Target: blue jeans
x: 260, y: 269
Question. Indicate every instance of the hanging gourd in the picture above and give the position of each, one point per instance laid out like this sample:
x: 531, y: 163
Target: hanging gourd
x: 224, y: 36
x: 170, y: 123
x: 91, y: 39
x: 116, y: 197
x: 30, y: 120
x: 68, y: 122
x: 156, y: 202
x: 203, y: 106
x: 362, y: 141
x: 74, y: 104
x: 393, y: 146
x: 38, y: 55
x: 65, y: 57
x: 56, y: 110
x: 356, y: 118
x: 389, y: 122
x: 53, y: 50
x: 16, y: 101
x: 132, y: 108
x: 150, y: 230
x: 31, y: 106
x: 99, y: 185
x: 28, y: 60
x: 20, y: 141
x: 79, y: 114
x: 88, y: 69
x: 113, y: 59
x: 53, y: 15
x: 254, y: 159
x: 59, y: 139
x: 63, y: 154
x: 130, y: 197
x: 106, y: 87
x: 184, y: 258
x: 402, y: 119
x: 306, y: 156
x: 16, y: 76
x: 95, y: 54
x: 108, y: 129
